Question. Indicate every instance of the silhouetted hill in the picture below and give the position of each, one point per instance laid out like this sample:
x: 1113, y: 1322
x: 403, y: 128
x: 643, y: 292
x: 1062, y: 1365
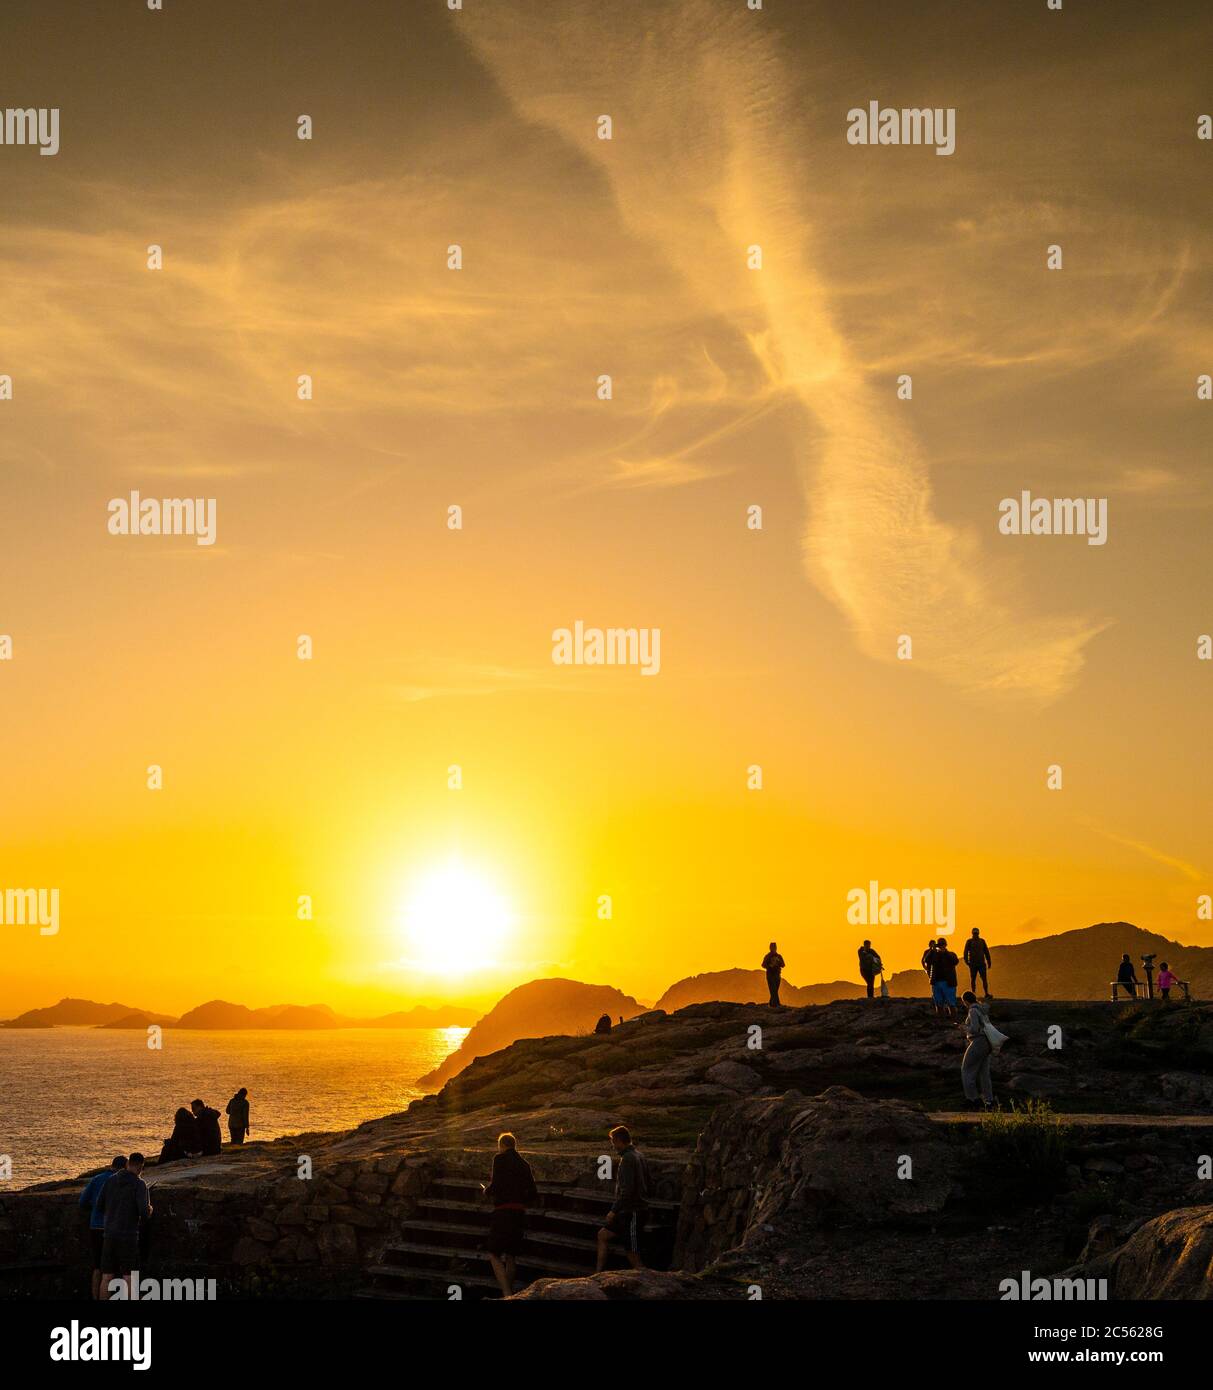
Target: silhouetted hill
x: 78, y: 1012
x: 540, y: 1009
x: 423, y: 1016
x: 749, y: 987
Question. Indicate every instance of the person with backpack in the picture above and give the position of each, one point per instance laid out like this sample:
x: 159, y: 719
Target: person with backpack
x: 975, y: 1065
x: 869, y: 967
x: 625, y: 1220
x: 943, y: 979
x: 511, y: 1190
x: 977, y: 958
x: 772, y: 963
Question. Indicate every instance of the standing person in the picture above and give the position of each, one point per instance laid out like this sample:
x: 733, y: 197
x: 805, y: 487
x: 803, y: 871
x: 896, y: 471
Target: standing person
x: 1166, y: 980
x: 125, y: 1205
x: 869, y: 967
x: 511, y: 1190
x: 772, y: 963
x: 975, y: 1065
x: 977, y: 958
x: 1127, y: 976
x: 237, y: 1116
x: 943, y: 979
x: 926, y: 958
x: 210, y: 1139
x: 96, y: 1220
x: 625, y: 1220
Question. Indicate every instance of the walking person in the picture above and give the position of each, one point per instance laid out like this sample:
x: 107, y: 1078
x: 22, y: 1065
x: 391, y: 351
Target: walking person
x: 869, y: 967
x: 625, y: 1220
x: 1126, y: 976
x: 96, y: 1219
x: 975, y: 1065
x: 772, y: 963
x: 125, y: 1205
x: 511, y: 1189
x: 977, y: 958
x: 237, y: 1116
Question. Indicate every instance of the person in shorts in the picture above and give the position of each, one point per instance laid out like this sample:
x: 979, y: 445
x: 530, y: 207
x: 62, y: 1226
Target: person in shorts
x: 625, y: 1220
x: 511, y: 1189
x: 943, y: 979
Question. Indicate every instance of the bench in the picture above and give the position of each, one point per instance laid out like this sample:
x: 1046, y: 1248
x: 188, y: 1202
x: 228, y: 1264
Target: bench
x: 1131, y: 990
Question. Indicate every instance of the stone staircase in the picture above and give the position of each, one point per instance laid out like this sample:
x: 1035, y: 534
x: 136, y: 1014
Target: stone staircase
x: 441, y: 1247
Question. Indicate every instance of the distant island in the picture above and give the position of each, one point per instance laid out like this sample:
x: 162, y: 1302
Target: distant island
x: 219, y: 1014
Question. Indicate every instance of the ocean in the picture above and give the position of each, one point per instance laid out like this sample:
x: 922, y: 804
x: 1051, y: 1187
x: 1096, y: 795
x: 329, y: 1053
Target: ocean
x: 72, y: 1098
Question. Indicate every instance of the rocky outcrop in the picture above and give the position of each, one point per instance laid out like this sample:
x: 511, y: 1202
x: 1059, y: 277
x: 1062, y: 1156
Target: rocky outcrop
x: 767, y: 1169
x: 535, y: 1010
x: 1169, y: 1257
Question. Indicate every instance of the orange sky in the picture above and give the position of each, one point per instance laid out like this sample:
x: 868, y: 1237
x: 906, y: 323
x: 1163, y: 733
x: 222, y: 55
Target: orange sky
x: 732, y: 387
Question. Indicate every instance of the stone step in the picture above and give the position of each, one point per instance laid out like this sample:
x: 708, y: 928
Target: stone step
x: 553, y: 1193
x: 537, y: 1217
x: 454, y: 1253
x: 479, y: 1232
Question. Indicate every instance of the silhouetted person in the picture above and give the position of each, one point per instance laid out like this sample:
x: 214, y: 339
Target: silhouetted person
x: 977, y: 958
x: 943, y: 978
x: 96, y: 1219
x: 975, y: 1065
x: 511, y: 1190
x: 625, y: 1220
x: 926, y: 958
x: 185, y: 1141
x: 208, y: 1127
x: 772, y: 963
x: 125, y: 1204
x: 869, y: 967
x: 603, y: 1025
x: 1127, y: 976
x: 237, y: 1115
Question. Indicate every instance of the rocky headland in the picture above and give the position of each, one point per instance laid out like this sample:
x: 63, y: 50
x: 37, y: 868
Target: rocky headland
x: 808, y: 1152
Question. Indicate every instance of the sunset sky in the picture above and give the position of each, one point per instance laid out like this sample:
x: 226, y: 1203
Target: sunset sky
x: 733, y: 387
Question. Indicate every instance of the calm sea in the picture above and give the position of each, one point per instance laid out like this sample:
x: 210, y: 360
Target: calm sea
x: 71, y: 1098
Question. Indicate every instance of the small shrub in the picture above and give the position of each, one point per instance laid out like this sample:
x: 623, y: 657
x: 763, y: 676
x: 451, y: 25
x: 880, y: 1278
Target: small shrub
x: 1029, y: 1138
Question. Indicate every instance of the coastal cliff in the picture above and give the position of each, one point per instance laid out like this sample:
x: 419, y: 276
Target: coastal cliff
x: 774, y: 1137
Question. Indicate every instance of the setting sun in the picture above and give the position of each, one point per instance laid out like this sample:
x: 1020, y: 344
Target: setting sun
x: 455, y: 921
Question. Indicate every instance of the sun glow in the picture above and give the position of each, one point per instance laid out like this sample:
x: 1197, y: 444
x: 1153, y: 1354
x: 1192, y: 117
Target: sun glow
x: 455, y: 921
